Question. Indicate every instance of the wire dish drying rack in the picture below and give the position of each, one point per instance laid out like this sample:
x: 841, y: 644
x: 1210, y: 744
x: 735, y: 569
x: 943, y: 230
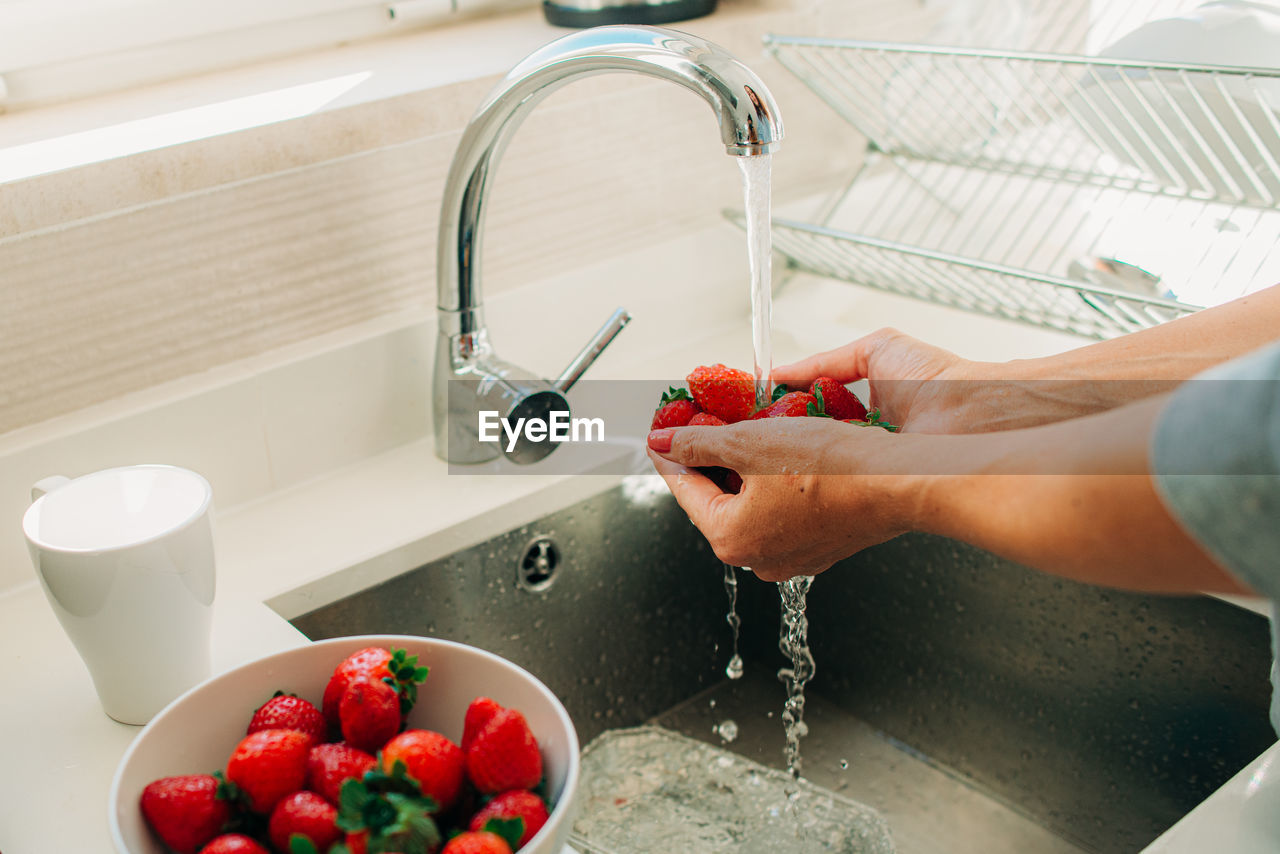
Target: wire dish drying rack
x: 1094, y: 196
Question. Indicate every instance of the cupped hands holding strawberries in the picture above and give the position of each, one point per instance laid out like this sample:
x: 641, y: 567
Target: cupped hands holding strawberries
x: 758, y: 477
x: 287, y: 788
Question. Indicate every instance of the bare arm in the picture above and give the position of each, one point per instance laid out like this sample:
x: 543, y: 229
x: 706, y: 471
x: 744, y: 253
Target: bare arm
x: 927, y: 389
x: 1076, y: 499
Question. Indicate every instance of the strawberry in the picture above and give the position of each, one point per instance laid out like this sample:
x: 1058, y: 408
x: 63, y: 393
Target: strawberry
x: 268, y: 765
x: 357, y: 843
x: 674, y: 410
x: 504, y: 755
x: 370, y: 662
x: 727, y: 393
x: 478, y: 714
x: 793, y: 404
x: 706, y: 419
x: 397, y: 668
x: 304, y: 814
x: 330, y: 765
x: 836, y: 400
x: 369, y: 713
x: 234, y: 843
x: 186, y: 811
x: 519, y: 805
x: 472, y: 842
x: 435, y: 762
x: 286, y: 711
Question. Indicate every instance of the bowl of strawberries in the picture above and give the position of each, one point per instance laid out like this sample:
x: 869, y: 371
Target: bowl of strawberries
x: 356, y: 745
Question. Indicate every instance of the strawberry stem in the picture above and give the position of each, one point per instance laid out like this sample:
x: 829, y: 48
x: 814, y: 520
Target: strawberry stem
x: 406, y: 676
x: 873, y: 420
x: 510, y: 829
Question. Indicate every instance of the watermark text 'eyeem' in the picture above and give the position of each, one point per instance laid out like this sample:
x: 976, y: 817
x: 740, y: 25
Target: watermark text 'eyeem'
x: 558, y: 427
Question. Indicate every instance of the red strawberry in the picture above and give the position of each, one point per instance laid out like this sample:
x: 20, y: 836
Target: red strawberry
x: 726, y: 393
x: 369, y: 714
x: 793, y: 404
x: 269, y: 765
x: 435, y: 762
x: 234, y: 843
x: 674, y: 410
x: 285, y: 711
x: 331, y: 765
x: 481, y: 710
x: 706, y: 419
x: 186, y: 811
x: 504, y: 755
x: 837, y: 401
x: 307, y: 814
x: 522, y: 805
x: 358, y: 843
x: 370, y: 662
x: 471, y: 842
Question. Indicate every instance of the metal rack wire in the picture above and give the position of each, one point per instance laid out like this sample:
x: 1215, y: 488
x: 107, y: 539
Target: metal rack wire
x: 1091, y: 195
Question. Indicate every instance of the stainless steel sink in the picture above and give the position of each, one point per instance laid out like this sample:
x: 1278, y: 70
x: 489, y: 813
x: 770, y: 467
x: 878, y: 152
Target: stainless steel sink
x: 981, y: 706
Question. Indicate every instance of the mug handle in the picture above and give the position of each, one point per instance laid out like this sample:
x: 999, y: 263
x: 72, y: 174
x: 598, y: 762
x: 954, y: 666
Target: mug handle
x: 48, y: 484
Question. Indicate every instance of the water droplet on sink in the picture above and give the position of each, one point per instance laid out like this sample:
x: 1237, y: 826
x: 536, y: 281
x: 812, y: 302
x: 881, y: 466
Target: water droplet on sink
x: 727, y: 730
x: 844, y: 764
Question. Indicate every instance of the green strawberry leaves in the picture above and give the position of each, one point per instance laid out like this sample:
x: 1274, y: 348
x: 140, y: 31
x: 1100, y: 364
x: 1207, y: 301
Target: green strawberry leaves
x: 820, y: 410
x: 392, y: 808
x: 873, y: 420
x: 405, y: 677
x: 673, y: 394
x: 299, y: 844
x: 510, y: 829
x: 242, y: 820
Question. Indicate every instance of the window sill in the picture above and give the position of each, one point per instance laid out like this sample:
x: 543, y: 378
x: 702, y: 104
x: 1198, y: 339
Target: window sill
x: 68, y: 162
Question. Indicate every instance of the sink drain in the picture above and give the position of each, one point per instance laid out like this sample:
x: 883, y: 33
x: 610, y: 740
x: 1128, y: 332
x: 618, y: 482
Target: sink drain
x: 536, y: 569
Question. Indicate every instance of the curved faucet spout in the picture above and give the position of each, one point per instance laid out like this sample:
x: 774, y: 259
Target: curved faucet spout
x: 749, y: 125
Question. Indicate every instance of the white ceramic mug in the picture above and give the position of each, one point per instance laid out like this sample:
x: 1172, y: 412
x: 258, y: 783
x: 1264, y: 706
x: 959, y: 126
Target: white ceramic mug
x: 125, y: 556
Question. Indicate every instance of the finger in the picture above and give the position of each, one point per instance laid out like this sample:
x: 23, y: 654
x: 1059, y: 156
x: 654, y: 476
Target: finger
x: 697, y: 446
x: 692, y: 490
x: 846, y: 364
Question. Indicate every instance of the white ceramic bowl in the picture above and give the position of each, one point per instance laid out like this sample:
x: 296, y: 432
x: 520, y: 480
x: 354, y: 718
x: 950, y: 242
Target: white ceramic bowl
x: 196, y: 733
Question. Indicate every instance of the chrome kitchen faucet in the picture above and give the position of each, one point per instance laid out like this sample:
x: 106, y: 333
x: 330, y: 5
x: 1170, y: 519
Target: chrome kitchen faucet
x: 469, y: 378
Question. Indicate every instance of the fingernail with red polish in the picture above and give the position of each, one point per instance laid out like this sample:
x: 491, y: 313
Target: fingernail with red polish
x: 660, y: 440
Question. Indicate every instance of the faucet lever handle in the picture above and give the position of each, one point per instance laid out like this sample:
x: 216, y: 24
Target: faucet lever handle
x: 592, y: 351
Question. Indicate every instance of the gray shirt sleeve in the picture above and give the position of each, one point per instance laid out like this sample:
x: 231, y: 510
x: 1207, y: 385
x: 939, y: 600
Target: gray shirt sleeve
x: 1216, y: 459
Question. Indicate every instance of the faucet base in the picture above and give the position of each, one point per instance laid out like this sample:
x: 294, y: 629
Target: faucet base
x: 595, y: 13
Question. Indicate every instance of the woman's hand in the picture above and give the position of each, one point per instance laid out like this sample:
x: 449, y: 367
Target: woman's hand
x: 812, y: 492
x: 925, y: 389
x: 917, y: 386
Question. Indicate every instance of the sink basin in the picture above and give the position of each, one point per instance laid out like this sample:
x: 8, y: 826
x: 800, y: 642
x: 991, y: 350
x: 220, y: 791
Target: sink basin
x: 978, y: 705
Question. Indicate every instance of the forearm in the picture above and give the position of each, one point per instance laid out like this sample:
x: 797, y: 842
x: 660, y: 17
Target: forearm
x: 1099, y: 377
x: 1171, y: 351
x: 1076, y: 499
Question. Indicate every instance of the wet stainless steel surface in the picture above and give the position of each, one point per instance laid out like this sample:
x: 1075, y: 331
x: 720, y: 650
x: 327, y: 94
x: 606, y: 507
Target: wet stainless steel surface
x: 981, y: 706
x: 929, y: 808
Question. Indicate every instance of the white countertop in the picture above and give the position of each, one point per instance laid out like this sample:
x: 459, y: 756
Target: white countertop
x: 330, y: 535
